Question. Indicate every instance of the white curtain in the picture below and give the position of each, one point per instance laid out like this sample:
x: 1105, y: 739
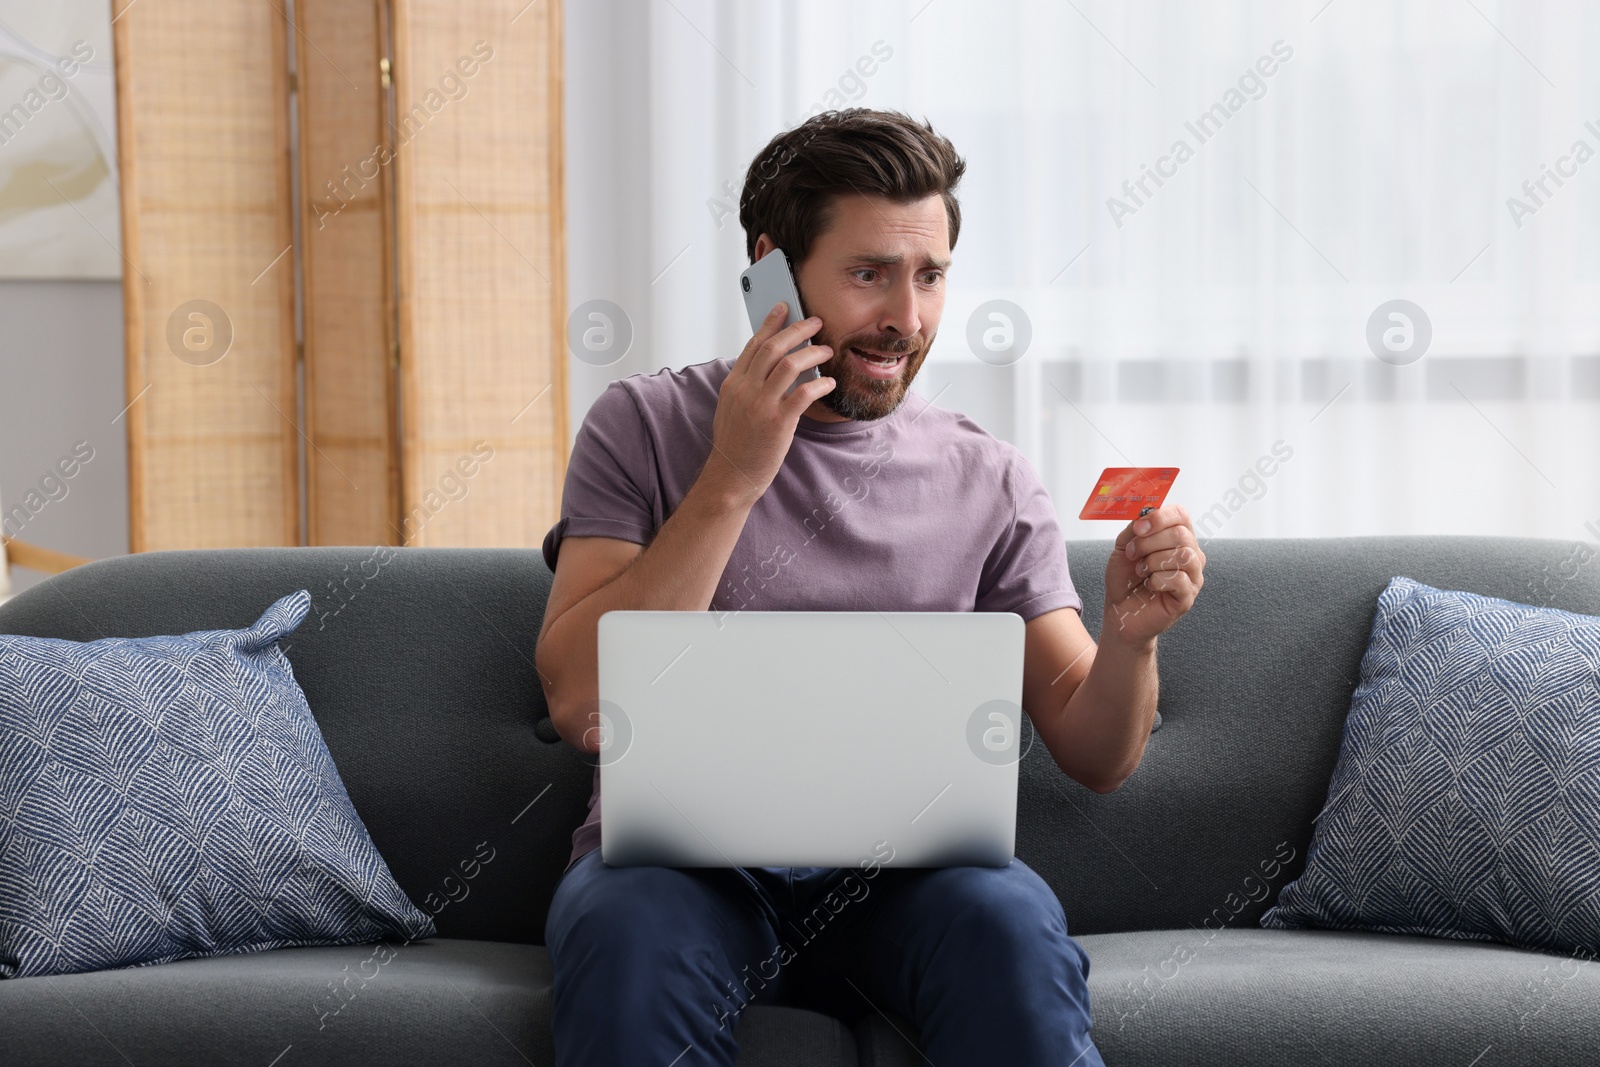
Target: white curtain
x: 1353, y: 153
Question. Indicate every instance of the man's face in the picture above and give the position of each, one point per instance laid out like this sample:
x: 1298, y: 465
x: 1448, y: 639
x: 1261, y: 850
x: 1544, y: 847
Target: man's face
x: 876, y: 278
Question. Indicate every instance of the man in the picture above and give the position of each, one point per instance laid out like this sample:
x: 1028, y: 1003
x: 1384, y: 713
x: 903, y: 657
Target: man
x: 708, y: 488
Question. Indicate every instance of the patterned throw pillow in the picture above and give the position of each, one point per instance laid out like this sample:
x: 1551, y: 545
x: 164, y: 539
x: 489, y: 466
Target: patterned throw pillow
x: 1466, y: 799
x: 169, y: 797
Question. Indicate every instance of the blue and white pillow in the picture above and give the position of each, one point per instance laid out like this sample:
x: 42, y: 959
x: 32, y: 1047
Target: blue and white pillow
x: 169, y: 797
x: 1466, y: 799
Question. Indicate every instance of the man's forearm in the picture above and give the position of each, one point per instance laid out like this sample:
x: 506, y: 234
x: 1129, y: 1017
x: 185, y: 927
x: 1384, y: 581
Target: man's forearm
x: 1111, y: 713
x: 678, y: 571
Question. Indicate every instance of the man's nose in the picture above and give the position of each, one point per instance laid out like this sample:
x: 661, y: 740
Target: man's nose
x: 899, y: 314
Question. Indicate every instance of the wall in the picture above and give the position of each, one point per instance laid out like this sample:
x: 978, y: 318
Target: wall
x: 61, y: 382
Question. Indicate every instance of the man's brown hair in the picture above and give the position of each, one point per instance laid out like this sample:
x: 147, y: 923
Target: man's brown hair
x: 790, y: 184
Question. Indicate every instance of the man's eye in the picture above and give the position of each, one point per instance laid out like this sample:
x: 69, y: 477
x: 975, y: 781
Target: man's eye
x: 932, y: 278
x: 864, y: 275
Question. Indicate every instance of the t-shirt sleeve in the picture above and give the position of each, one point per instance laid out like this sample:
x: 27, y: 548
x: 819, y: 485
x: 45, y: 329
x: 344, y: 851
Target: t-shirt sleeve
x: 609, y: 489
x: 1026, y: 572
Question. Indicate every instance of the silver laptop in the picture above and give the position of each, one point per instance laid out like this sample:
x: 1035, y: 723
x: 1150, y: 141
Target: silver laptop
x: 801, y: 739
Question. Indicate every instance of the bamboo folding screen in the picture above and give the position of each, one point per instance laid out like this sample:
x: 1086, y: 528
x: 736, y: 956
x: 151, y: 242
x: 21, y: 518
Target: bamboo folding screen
x: 345, y: 288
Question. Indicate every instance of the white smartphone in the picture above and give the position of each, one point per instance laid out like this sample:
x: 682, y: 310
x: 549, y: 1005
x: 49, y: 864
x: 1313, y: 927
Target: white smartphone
x: 767, y: 281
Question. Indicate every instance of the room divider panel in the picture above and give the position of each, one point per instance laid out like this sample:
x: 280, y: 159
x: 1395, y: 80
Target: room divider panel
x: 482, y: 298
x: 345, y: 289
x: 346, y: 221
x: 208, y: 286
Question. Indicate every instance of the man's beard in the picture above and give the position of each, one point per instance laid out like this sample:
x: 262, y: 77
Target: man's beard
x: 857, y: 396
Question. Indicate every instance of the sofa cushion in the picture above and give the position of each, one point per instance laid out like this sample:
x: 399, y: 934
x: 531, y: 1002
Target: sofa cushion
x: 884, y: 1039
x: 1194, y: 998
x: 418, y: 663
x: 1466, y: 799
x: 170, y: 797
x: 431, y: 1002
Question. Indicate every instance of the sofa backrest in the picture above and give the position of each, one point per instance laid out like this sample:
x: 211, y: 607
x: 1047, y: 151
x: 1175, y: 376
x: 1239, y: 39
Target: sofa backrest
x: 1256, y: 682
x: 418, y: 664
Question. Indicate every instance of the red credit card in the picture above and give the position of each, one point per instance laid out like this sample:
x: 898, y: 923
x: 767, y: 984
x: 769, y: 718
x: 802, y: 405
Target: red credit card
x: 1124, y: 492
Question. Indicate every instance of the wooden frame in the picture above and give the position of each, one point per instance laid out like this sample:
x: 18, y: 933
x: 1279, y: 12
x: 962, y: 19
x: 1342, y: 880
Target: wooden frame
x: 37, y: 557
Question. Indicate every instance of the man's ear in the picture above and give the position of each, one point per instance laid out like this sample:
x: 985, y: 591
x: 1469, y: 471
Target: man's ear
x: 764, y: 244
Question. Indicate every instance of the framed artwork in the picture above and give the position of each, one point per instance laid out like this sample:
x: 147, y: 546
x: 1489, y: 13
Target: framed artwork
x: 58, y: 149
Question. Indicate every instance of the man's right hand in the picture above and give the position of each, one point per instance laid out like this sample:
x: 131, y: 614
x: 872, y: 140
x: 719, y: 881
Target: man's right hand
x: 755, y: 422
x: 681, y: 566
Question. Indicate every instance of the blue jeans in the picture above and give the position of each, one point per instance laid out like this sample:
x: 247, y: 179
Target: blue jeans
x: 654, y: 965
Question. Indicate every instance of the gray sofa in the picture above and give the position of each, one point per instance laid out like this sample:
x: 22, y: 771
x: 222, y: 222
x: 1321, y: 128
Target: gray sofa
x: 422, y: 679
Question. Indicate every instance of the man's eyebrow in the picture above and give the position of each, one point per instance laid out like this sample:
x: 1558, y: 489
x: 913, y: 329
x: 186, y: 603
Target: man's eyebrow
x: 894, y: 259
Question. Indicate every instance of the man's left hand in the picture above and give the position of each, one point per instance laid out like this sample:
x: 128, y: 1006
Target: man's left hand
x: 1154, y: 574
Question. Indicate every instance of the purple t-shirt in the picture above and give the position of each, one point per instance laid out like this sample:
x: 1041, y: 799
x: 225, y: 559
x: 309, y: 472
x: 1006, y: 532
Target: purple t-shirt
x: 920, y: 511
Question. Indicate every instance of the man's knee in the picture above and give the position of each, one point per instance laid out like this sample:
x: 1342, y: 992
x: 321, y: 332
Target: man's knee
x: 1007, y: 911
x: 999, y: 893
x: 1000, y: 969
x: 632, y: 909
x: 648, y: 946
